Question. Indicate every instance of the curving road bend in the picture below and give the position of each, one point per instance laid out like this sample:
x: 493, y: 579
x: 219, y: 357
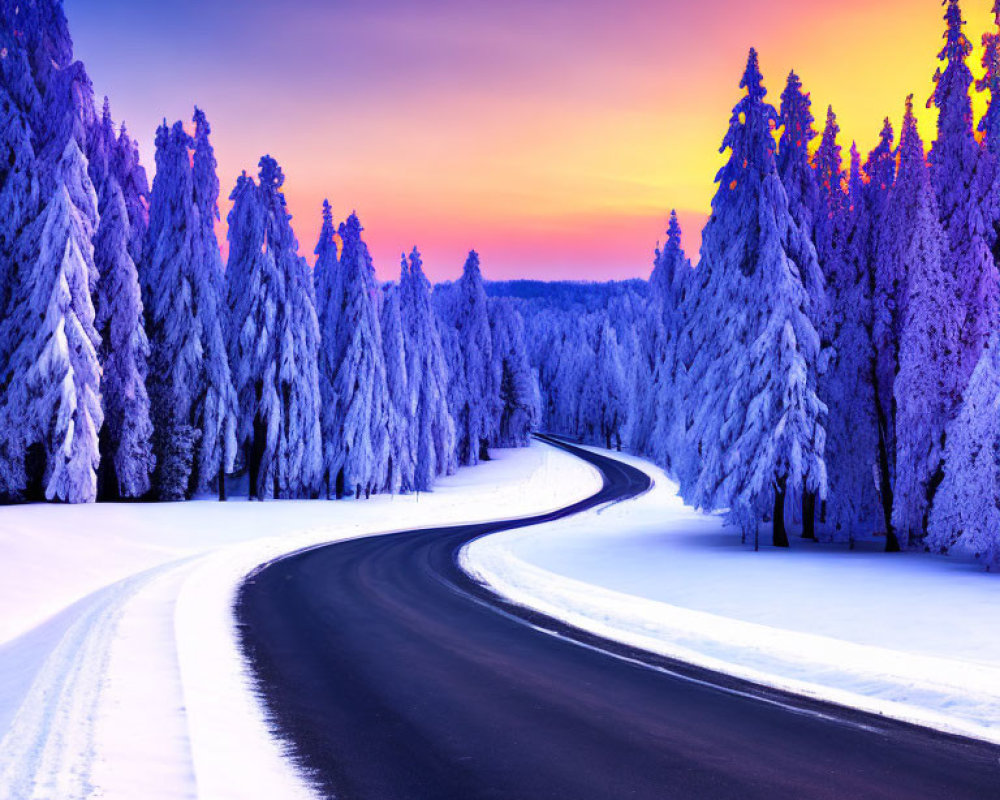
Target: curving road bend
x: 393, y: 676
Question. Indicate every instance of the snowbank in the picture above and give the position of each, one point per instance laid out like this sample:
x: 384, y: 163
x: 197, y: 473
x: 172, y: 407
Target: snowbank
x: 911, y: 636
x: 120, y: 674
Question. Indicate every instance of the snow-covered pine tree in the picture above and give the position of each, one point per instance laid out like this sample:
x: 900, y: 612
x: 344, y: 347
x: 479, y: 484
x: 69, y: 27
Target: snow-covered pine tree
x: 604, y: 404
x: 273, y: 341
x: 847, y: 386
x: 673, y: 276
x: 962, y: 180
x: 127, y: 459
x: 652, y: 348
x: 928, y: 385
x: 400, y: 466
x: 175, y: 364
x: 830, y: 194
x: 872, y: 244
x: 135, y: 189
x: 989, y: 126
x: 215, y: 406
x: 966, y: 511
x: 432, y: 428
x: 19, y: 204
x: 797, y: 134
x: 799, y: 179
x: 325, y: 269
x: 760, y: 423
x: 519, y: 415
x: 52, y: 407
x: 473, y: 393
x: 352, y: 368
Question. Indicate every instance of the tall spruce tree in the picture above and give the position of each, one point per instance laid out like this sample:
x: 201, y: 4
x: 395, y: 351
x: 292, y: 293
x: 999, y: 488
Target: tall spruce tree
x: 216, y: 404
x: 171, y: 315
x: 433, y: 430
x: 400, y: 467
x: 989, y: 126
x: 760, y: 423
x: 928, y: 384
x: 135, y: 190
x: 872, y: 245
x: 962, y: 181
x: 966, y: 511
x: 127, y: 459
x: 273, y: 341
x: 847, y: 386
x: 473, y: 393
x: 52, y: 405
x: 673, y: 275
x: 604, y: 405
x: 799, y: 180
x: 519, y: 414
x: 352, y: 366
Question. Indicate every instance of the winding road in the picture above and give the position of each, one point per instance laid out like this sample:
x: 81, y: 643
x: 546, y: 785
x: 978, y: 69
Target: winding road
x: 393, y: 676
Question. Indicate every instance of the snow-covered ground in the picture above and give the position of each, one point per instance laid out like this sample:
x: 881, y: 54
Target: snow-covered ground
x: 910, y: 636
x: 120, y: 675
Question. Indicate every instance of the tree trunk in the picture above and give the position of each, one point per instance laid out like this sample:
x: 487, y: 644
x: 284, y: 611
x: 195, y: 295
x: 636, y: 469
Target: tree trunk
x: 257, y: 447
x: 809, y: 515
x: 780, y: 535
x: 252, y: 467
x: 885, y: 479
x: 222, y: 485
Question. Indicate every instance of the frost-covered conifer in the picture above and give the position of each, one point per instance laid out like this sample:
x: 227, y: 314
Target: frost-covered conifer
x: 399, y: 408
x: 966, y: 509
x: 127, y: 459
x: 962, y: 180
x: 135, y: 190
x: 325, y: 269
x: 190, y: 383
x: 52, y: 408
x: 759, y: 422
x: 175, y: 363
x: 432, y: 428
x: 215, y: 404
x: 669, y: 378
x: 519, y: 414
x: 873, y: 249
x: 927, y: 386
x: 352, y: 367
x: 604, y: 405
x: 473, y: 393
x: 830, y: 196
x: 273, y: 341
x: 847, y: 386
x: 19, y: 204
x: 989, y: 125
x: 799, y: 180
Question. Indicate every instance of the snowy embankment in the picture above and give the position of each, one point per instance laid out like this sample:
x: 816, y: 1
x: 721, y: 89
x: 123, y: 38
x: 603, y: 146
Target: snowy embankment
x: 911, y: 636
x: 120, y: 672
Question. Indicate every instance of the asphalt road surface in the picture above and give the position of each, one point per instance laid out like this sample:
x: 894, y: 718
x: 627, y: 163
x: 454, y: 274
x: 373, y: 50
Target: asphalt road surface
x: 393, y: 676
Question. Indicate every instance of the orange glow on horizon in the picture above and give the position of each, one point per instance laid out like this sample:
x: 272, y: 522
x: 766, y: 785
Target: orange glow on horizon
x: 556, y: 143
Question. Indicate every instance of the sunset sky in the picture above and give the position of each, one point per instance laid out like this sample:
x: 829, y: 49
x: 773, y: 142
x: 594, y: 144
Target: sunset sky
x: 551, y: 135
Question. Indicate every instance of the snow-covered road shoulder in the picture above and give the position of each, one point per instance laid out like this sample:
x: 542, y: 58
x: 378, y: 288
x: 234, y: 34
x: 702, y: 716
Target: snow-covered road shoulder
x: 905, y: 636
x: 120, y: 669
